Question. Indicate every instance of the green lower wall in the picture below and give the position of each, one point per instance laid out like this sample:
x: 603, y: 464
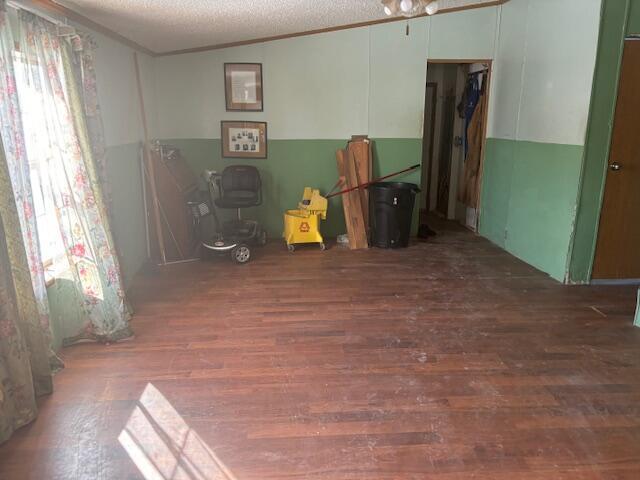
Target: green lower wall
x: 294, y: 164
x: 619, y: 18
x: 633, y: 25
x: 529, y: 194
x: 123, y: 172
x: 66, y: 315
x: 496, y: 190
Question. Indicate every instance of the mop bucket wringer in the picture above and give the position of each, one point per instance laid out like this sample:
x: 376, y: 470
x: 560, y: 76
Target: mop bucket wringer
x: 302, y: 225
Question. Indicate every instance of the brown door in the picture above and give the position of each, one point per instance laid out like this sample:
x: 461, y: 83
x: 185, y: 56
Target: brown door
x: 618, y: 247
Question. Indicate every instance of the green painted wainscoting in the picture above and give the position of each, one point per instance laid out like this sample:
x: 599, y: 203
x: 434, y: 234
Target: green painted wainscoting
x: 123, y: 171
x: 65, y: 311
x: 529, y: 195
x: 293, y: 164
x: 633, y: 26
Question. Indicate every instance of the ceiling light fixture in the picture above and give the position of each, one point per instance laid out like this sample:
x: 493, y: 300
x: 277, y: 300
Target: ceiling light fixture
x: 432, y: 8
x: 410, y: 8
x: 406, y: 6
x: 390, y: 7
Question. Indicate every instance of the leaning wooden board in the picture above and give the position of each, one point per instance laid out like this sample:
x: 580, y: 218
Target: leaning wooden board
x: 360, y: 147
x: 357, y: 199
x: 351, y: 202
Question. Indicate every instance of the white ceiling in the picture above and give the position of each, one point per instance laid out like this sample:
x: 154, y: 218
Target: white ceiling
x: 169, y: 25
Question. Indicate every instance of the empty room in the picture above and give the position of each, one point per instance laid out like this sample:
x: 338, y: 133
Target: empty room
x: 330, y: 240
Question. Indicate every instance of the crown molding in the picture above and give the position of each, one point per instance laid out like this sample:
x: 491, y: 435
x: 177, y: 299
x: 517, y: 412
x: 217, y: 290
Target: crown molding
x: 51, y: 7
x: 325, y: 30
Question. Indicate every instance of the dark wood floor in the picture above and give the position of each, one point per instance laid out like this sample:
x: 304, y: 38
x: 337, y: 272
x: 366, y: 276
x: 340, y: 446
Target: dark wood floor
x: 447, y: 360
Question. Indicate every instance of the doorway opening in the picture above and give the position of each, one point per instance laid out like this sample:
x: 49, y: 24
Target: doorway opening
x: 454, y: 136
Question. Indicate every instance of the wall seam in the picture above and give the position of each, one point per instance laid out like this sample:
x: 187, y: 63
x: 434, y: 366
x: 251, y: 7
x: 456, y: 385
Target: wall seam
x: 429, y: 26
x: 518, y: 115
x: 489, y: 126
x: 494, y: 65
x: 525, y: 46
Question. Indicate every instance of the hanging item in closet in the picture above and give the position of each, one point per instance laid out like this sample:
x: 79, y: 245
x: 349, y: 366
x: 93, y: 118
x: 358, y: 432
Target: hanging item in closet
x: 474, y: 92
x: 469, y: 102
x: 474, y: 109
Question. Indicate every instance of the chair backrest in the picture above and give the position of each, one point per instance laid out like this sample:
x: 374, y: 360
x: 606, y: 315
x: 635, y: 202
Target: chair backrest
x: 243, y: 180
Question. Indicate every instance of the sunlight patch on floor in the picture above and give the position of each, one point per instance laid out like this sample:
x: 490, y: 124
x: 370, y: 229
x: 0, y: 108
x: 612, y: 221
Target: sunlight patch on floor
x: 164, y: 447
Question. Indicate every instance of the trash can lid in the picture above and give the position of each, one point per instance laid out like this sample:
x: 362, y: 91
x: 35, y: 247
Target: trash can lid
x: 395, y: 186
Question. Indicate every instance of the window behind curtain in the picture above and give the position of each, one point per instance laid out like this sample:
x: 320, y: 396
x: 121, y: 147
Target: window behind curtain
x: 41, y: 148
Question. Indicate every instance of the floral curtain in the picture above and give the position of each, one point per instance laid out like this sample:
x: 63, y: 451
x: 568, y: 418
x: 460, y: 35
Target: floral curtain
x: 73, y: 180
x: 12, y: 135
x: 26, y: 361
x: 87, y: 112
x: 51, y: 78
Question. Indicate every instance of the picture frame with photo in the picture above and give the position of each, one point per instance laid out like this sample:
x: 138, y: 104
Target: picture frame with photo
x: 243, y: 87
x: 243, y: 139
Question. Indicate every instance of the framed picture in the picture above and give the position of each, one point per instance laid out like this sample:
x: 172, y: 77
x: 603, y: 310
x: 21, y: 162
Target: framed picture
x: 243, y: 87
x: 244, y: 139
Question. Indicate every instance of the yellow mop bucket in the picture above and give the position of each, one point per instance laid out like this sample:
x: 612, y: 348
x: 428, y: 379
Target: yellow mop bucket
x: 303, y: 224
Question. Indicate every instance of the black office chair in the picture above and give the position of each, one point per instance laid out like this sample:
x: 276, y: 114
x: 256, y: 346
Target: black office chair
x: 239, y: 186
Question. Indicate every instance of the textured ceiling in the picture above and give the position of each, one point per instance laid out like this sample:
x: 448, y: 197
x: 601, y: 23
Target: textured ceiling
x: 169, y: 25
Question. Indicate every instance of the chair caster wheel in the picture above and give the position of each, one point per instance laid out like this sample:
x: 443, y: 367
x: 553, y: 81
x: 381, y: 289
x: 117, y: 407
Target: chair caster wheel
x: 241, y: 254
x: 323, y: 246
x: 291, y: 247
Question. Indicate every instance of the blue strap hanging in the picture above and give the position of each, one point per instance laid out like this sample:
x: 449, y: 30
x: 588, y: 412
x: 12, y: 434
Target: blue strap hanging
x: 473, y: 93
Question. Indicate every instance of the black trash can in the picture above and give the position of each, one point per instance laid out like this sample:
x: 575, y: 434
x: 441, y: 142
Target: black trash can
x: 391, y: 209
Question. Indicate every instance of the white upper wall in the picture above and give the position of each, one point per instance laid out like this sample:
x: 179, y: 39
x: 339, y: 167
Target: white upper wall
x: 397, y: 76
x: 543, y: 70
x: 118, y: 94
x: 372, y: 79
x: 314, y: 87
x: 465, y: 35
x: 319, y: 85
x: 368, y: 80
x: 507, y: 74
x: 560, y: 56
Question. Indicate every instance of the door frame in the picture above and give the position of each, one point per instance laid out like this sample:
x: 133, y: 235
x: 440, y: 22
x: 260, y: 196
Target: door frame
x: 615, y: 29
x: 485, y: 122
x: 605, y: 175
x: 426, y: 198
